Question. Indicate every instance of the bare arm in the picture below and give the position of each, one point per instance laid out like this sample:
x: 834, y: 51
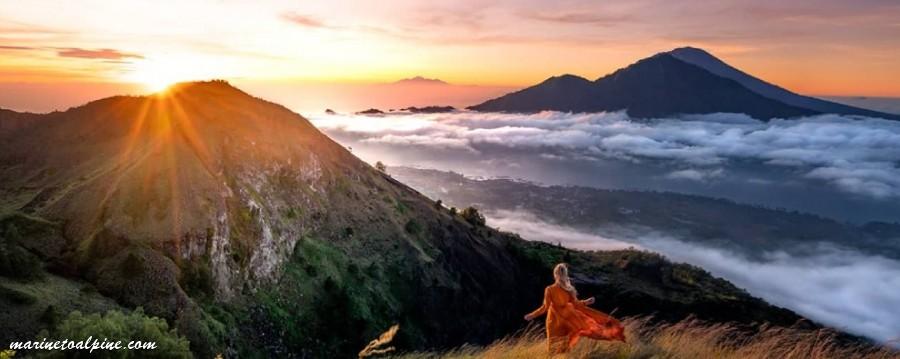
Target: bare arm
x: 543, y: 309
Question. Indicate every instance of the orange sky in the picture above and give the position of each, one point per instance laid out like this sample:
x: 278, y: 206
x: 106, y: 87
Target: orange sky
x: 828, y: 48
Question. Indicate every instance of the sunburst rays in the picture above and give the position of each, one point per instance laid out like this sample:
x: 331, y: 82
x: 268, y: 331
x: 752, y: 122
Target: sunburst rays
x: 161, y: 138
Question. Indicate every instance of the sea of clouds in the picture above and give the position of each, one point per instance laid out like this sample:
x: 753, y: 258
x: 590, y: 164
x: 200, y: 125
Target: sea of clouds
x: 855, y: 155
x: 843, y: 289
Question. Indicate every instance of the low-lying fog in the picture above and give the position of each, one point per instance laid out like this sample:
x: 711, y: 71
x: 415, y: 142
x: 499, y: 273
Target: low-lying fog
x: 838, y: 166
x: 839, y: 288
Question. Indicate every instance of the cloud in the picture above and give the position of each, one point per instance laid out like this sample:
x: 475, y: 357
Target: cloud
x: 419, y: 140
x: 695, y: 175
x: 836, y: 287
x: 302, y: 20
x: 532, y: 227
x: 434, y: 26
x: 456, y: 17
x: 855, y: 155
x: 833, y: 286
x: 587, y: 17
x: 102, y: 54
x: 7, y: 47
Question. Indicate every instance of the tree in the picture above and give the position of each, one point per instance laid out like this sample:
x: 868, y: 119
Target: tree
x: 471, y: 215
x: 380, y: 166
x: 115, y: 325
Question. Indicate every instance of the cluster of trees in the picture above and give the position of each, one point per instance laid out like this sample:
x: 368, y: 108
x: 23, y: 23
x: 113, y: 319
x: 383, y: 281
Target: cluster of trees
x: 469, y: 214
x: 115, y: 325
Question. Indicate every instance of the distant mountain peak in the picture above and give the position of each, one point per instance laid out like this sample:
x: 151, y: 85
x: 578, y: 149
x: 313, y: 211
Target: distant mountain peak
x: 694, y: 56
x: 685, y: 80
x: 421, y: 80
x: 656, y: 86
x: 689, y: 50
x: 709, y: 62
x: 566, y: 78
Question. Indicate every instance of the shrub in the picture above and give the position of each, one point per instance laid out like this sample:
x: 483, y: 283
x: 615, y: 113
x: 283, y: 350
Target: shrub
x: 115, y: 325
x: 400, y: 207
x: 50, y: 316
x: 132, y: 266
x: 380, y: 166
x: 413, y: 227
x: 471, y: 215
x: 311, y: 270
x: 197, y: 278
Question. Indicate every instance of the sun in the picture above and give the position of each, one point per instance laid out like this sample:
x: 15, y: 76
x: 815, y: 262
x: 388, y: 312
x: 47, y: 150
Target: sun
x: 158, y: 85
x: 157, y: 74
x: 154, y: 75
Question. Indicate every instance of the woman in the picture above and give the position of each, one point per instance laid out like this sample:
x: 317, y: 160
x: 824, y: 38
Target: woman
x: 569, y: 319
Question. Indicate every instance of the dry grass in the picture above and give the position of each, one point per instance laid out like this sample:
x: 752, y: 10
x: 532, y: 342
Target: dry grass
x: 379, y: 345
x: 688, y: 339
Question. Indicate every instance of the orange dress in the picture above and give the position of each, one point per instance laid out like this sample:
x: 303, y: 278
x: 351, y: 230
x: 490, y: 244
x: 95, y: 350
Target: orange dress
x: 568, y: 319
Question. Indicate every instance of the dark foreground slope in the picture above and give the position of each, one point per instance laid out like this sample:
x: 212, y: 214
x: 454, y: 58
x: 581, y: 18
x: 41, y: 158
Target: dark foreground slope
x: 255, y: 235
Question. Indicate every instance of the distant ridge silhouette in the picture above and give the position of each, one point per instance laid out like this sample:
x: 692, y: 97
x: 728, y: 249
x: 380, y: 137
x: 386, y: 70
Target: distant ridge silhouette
x: 421, y: 80
x: 681, y: 81
x: 703, y: 59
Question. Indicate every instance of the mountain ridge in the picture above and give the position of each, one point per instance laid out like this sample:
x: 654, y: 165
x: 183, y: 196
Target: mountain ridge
x: 701, y: 58
x: 669, y: 84
x: 420, y: 80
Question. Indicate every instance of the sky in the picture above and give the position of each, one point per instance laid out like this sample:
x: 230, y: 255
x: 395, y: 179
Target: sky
x: 823, y: 47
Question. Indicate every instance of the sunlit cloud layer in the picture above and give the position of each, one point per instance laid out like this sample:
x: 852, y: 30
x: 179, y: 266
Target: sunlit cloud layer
x: 534, y: 228
x: 843, y: 289
x: 854, y: 155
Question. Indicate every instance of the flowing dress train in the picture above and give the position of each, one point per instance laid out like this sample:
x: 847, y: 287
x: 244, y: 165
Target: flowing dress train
x: 568, y: 319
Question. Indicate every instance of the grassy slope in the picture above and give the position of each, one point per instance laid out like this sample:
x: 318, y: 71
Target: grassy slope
x: 687, y: 339
x: 34, y: 299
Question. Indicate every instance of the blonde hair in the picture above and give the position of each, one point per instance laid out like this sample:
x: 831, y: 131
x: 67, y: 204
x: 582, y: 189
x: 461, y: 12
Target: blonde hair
x: 561, y: 277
